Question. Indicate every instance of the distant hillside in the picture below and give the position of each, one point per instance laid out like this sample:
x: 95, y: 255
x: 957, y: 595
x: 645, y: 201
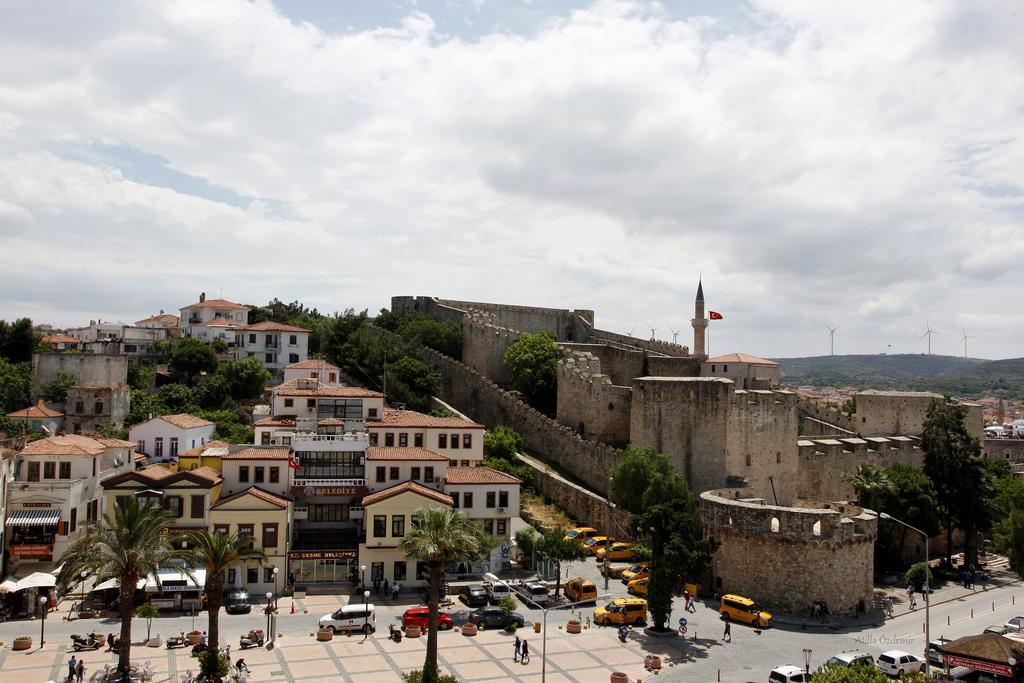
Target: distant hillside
x: 969, y: 377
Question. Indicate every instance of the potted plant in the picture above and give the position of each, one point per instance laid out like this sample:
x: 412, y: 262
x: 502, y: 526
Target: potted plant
x: 413, y: 631
x: 193, y: 637
x: 469, y: 629
x: 325, y: 634
x: 23, y: 643
x: 573, y: 626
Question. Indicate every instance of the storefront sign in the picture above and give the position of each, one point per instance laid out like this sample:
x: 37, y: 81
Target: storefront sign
x: 31, y: 550
x: 172, y: 588
x: 181, y: 530
x: 978, y: 665
x: 36, y: 505
x: 310, y: 491
x: 321, y: 554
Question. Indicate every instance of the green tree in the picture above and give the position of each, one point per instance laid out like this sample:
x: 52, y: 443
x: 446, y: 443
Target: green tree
x: 213, y: 393
x: 555, y: 546
x: 527, y: 540
x: 387, y: 320
x: 14, y: 385
x: 178, y: 398
x: 191, y: 357
x: 128, y: 544
x: 141, y: 375
x: 413, y: 382
x: 438, y: 537
x: 532, y: 362
x: 444, y: 337
x: 638, y: 469
x: 335, y: 334
x: 17, y: 340
x: 503, y: 443
x: 219, y: 346
x: 218, y: 552
x: 149, y: 613
x: 1014, y: 544
x: 161, y: 350
x: 56, y: 391
x: 229, y: 426
x: 915, y: 576
x: 909, y: 496
x: 145, y: 405
x: 869, y: 483
x: 246, y: 377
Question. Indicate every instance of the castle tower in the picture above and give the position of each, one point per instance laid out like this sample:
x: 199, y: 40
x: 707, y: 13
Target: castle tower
x: 699, y: 322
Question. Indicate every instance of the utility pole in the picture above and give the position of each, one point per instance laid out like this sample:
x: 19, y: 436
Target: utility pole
x: 608, y: 542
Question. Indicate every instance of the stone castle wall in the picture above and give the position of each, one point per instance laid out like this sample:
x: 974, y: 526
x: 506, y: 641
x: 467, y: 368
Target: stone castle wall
x: 826, y: 465
x: 88, y: 369
x: 809, y: 553
x: 820, y: 411
x: 427, y: 305
x: 1010, y: 450
x: 589, y: 403
x: 484, y: 344
x: 881, y: 413
x: 585, y: 507
x: 673, y: 366
x: 761, y: 442
x: 653, y: 345
x: 621, y: 365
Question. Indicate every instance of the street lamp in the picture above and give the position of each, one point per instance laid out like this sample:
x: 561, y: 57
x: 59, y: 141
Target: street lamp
x: 927, y: 595
x: 608, y: 541
x: 276, y: 592
x: 362, y: 576
x: 807, y: 660
x: 42, y: 624
x: 366, y: 615
x: 269, y: 596
x: 544, y: 627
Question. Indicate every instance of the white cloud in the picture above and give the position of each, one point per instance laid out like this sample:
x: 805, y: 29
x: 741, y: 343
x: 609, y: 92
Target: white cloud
x: 856, y: 164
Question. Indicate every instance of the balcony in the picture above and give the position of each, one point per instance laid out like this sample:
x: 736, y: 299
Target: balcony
x: 329, y: 482
x: 355, y: 512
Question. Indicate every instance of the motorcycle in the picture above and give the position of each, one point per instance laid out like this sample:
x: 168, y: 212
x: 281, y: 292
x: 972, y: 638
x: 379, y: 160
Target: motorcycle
x: 623, y: 632
x: 176, y: 641
x: 394, y: 634
x: 89, y: 642
x: 252, y: 640
x: 199, y: 647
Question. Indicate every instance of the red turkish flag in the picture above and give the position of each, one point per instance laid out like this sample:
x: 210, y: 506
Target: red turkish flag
x: 715, y: 315
x: 294, y: 465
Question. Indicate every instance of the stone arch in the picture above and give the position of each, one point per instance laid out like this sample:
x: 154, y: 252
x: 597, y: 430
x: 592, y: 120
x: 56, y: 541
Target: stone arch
x: 816, y: 528
x: 774, y: 525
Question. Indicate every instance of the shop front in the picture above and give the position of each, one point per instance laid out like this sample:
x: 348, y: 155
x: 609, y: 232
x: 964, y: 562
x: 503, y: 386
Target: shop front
x: 989, y: 656
x: 32, y: 533
x: 176, y: 591
x: 307, y: 567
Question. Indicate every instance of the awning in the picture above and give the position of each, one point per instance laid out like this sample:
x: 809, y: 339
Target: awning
x: 114, y: 583
x: 37, y: 580
x: 176, y: 581
x: 33, y: 517
x: 9, y: 585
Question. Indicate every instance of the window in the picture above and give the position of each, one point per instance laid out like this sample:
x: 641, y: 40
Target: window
x: 141, y: 446
x: 293, y: 358
x: 158, y: 446
x: 748, y: 459
x: 465, y: 463
x: 269, y: 340
x: 65, y: 470
x: 467, y: 440
x: 243, y: 474
x: 94, y: 467
x: 380, y: 474
x: 275, y: 475
x: 49, y: 470
x: 79, y: 407
x: 725, y: 368
x: 712, y: 367
x: 373, y: 438
x: 329, y: 512
x: 428, y: 475
x: 442, y: 441
x: 268, y: 575
x: 289, y: 403
x: 264, y: 438
x: 198, y: 507
x: 258, y: 474
x: 398, y: 526
x: 403, y: 440
x: 500, y: 527
x: 268, y: 358
x: 453, y: 463
x: 400, y: 570
x: 392, y: 473
x: 455, y: 498
x: 270, y: 535
x: 489, y: 526
x: 503, y: 499
x: 173, y: 506
x: 467, y: 499
x: 380, y: 523
x: 252, y: 338
x: 252, y: 574
x: 74, y: 519
x: 778, y: 457
x: 174, y: 446
x: 311, y: 403
x: 341, y: 408
x: 415, y: 474
x: 333, y: 377
x: 455, y: 440
x: 330, y: 465
x: 417, y: 440
x: 97, y: 408
x: 389, y: 439
x: 490, y: 499
x: 93, y: 511
x: 121, y: 501
x: 293, y: 339
x: 221, y: 529
x: 246, y: 531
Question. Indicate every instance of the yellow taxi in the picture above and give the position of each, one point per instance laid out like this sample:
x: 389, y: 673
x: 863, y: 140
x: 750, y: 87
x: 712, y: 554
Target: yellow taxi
x: 595, y: 543
x: 580, y: 533
x: 744, y: 610
x: 617, y: 553
x: 637, y: 571
x: 622, y: 611
x: 578, y: 589
x: 638, y: 587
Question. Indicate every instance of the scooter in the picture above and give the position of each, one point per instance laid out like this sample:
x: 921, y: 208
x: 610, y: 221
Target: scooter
x: 394, y: 634
x: 623, y: 632
x: 89, y: 642
x: 252, y: 640
x: 197, y: 648
x: 176, y: 641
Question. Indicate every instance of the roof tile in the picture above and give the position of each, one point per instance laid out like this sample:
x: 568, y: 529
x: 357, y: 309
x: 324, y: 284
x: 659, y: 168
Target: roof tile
x: 478, y: 475
x: 407, y: 487
x: 403, y: 453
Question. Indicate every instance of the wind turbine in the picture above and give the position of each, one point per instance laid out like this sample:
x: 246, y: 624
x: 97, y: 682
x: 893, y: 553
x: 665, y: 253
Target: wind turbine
x: 963, y: 339
x: 831, y: 339
x: 928, y: 333
x: 631, y: 330
x: 653, y: 330
x: 675, y: 334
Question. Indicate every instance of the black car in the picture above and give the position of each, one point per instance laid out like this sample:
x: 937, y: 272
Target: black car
x: 492, y: 617
x: 236, y: 601
x: 473, y: 596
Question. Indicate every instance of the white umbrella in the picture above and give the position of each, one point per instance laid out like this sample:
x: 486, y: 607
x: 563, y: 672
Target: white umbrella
x: 9, y: 585
x: 37, y: 580
x: 114, y: 583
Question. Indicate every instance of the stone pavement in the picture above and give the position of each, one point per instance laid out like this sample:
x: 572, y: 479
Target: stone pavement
x: 587, y: 656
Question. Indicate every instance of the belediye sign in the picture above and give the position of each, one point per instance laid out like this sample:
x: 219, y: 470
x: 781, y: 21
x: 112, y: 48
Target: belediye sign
x: 310, y: 491
x: 321, y: 554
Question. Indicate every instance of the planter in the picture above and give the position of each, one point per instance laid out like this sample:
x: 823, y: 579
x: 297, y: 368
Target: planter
x: 154, y: 642
x: 413, y: 631
x: 469, y: 629
x: 619, y: 677
x: 652, y: 662
x: 193, y: 637
x: 536, y: 627
x: 573, y: 627
x: 22, y: 643
x: 324, y: 635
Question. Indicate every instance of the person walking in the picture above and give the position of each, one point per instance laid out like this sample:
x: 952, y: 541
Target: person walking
x: 690, y: 606
x: 72, y: 667
x: 525, y: 656
x: 394, y: 591
x: 80, y: 671
x: 387, y: 588
x: 727, y: 636
x: 519, y: 649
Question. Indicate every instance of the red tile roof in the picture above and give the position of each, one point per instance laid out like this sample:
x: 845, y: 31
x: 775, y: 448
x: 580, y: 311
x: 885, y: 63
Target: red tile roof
x: 292, y: 388
x: 39, y: 410
x: 409, y: 418
x: 169, y: 318
x: 275, y: 422
x: 207, y: 473
x: 478, y: 475
x: 271, y: 326
x: 219, y: 303
x: 741, y: 358
x: 255, y: 492
x: 62, y: 339
x: 407, y: 487
x: 155, y: 472
x: 403, y: 453
x: 70, y: 444
x: 259, y: 453
x: 218, y: 322
x: 311, y: 364
x: 185, y: 420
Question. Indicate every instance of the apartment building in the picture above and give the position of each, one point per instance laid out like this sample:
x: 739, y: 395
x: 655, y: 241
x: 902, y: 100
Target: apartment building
x: 163, y: 437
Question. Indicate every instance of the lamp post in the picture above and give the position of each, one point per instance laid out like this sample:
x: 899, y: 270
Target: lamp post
x: 608, y: 541
x: 42, y: 623
x: 362, y: 576
x: 276, y: 592
x: 269, y: 596
x: 807, y: 660
x: 927, y: 594
x: 366, y: 615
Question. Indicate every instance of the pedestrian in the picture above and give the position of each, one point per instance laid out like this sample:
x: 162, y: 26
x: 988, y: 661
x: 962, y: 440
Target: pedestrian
x: 690, y: 606
x: 686, y: 598
x: 80, y: 671
x: 110, y: 642
x: 525, y: 656
x: 394, y: 591
x: 887, y: 606
x: 72, y: 667
x: 727, y: 636
x: 518, y: 650
x: 387, y: 590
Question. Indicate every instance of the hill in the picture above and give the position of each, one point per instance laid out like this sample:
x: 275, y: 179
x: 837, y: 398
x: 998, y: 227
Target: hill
x: 966, y: 377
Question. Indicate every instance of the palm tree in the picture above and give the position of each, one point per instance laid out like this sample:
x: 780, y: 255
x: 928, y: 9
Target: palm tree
x: 555, y: 546
x: 868, y: 482
x: 217, y: 552
x: 440, y: 536
x: 128, y: 544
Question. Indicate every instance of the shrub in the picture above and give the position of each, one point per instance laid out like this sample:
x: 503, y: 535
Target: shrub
x: 213, y: 664
x: 417, y: 677
x: 507, y: 604
x: 916, y: 575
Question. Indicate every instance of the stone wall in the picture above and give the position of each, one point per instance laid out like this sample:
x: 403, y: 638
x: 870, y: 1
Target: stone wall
x: 483, y: 347
x: 653, y: 345
x: 587, y: 508
x: 808, y: 553
x: 673, y: 366
x: 826, y: 465
x: 881, y: 413
x: 1010, y: 450
x: 87, y: 369
x: 427, y: 305
x: 621, y: 365
x: 589, y: 403
x: 761, y: 442
x: 817, y: 412
x: 116, y: 401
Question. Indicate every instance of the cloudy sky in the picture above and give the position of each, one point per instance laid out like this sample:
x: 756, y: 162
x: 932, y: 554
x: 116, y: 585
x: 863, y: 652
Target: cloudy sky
x: 858, y: 164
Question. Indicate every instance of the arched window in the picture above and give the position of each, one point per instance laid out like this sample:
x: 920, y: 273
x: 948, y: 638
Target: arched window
x: 775, y: 525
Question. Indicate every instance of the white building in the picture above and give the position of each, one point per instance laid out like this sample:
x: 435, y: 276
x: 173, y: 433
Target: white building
x: 313, y: 368
x: 276, y: 344
x: 39, y: 418
x: 204, y: 311
x: 55, y: 492
x: 163, y: 437
x: 748, y: 372
x: 266, y: 467
x: 166, y: 321
x: 108, y: 337
x: 461, y: 441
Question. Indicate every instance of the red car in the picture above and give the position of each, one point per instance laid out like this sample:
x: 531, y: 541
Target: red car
x: 419, y: 616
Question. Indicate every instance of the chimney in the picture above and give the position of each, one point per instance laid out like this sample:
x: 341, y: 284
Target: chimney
x: 202, y: 297
x: 161, y: 311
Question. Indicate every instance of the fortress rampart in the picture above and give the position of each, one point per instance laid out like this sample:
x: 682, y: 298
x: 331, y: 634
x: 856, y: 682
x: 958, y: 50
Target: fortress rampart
x: 826, y: 465
x: 589, y: 403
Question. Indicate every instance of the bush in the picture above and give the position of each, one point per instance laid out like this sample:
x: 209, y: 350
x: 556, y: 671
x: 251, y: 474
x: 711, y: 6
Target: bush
x: 213, y: 664
x: 511, y: 627
x: 916, y: 575
x: 57, y: 390
x: 507, y: 604
x: 417, y: 677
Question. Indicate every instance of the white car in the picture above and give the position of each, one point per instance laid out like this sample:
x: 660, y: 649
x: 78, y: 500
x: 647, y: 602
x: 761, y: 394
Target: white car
x: 898, y: 662
x: 1014, y: 624
x: 789, y: 674
x: 351, y: 618
x: 850, y: 658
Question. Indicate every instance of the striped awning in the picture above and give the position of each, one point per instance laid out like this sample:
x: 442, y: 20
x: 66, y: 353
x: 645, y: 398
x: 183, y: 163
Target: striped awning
x: 32, y: 517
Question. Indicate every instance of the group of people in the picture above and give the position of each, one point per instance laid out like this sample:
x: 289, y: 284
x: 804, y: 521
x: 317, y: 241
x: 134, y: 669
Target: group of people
x: 393, y: 591
x: 76, y: 669
x: 688, y: 600
x: 522, y: 651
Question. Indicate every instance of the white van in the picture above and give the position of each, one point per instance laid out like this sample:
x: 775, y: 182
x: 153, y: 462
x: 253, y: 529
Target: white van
x: 351, y: 618
x: 496, y: 588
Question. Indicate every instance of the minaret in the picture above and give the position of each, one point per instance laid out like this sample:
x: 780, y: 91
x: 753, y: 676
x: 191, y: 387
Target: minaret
x: 699, y: 322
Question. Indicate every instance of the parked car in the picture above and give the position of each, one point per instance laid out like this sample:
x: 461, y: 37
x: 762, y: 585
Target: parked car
x: 420, y: 616
x: 788, y: 674
x: 1015, y: 624
x: 352, y: 618
x: 532, y: 593
x: 492, y: 617
x: 898, y: 662
x: 579, y: 589
x: 744, y: 610
x: 496, y: 588
x: 236, y: 601
x: 581, y: 533
x: 850, y: 658
x: 618, y: 552
x: 995, y: 628
x: 595, y: 543
x: 637, y: 571
x: 473, y: 596
x: 622, y: 611
x: 638, y: 587
x: 934, y: 656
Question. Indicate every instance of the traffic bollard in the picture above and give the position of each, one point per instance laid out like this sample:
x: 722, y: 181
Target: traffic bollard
x: 947, y: 620
x: 972, y: 613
